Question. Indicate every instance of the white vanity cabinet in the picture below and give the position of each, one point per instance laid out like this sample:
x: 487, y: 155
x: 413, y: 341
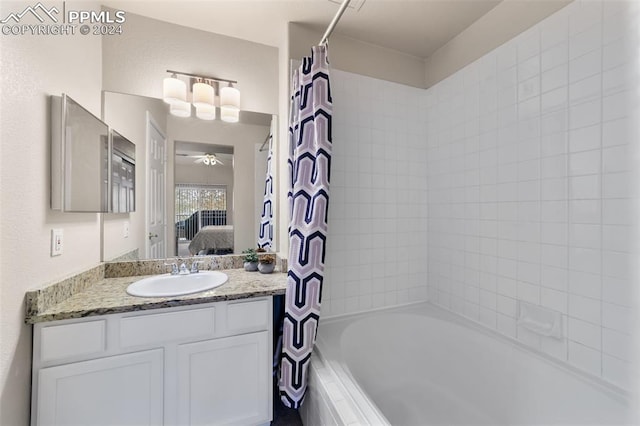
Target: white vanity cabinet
x: 206, y: 364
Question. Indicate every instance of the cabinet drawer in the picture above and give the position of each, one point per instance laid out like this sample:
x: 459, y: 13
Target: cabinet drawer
x: 243, y: 316
x: 144, y: 330
x: 71, y: 340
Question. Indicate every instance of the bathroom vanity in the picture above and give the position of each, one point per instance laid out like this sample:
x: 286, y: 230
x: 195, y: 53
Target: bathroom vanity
x: 203, y: 358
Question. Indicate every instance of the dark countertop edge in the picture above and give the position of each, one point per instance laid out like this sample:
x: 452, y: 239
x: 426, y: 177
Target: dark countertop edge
x: 58, y: 316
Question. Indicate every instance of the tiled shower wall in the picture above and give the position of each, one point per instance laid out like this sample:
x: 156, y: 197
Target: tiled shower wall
x: 530, y: 185
x: 377, y: 211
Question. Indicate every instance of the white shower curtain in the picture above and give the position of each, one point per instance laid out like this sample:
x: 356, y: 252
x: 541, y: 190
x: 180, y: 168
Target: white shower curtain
x: 309, y: 169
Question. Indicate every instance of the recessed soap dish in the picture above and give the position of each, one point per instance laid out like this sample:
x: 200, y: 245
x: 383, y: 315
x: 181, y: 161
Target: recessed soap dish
x: 540, y: 320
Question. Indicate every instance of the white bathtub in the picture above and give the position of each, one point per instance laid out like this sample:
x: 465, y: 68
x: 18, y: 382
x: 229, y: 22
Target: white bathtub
x: 421, y: 365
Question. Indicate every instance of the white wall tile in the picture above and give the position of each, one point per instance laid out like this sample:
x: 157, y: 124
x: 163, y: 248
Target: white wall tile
x: 554, y: 100
x: 616, y: 238
x: 585, y: 309
x: 585, y: 66
x: 585, y: 114
x: 554, y: 211
x: 554, y: 144
x: 585, y: 284
x: 554, y: 278
x: 585, y: 139
x: 585, y: 211
x: 585, y: 333
x: 615, y: 159
x: 616, y: 185
x: 585, y: 41
x: 529, y: 179
x: 555, y: 78
x: 555, y: 57
x: 554, y: 299
x: 554, y: 255
x: 584, y: 187
x: 585, y: 260
x: 584, y: 163
x: 585, y: 90
x: 617, y: 344
x: 617, y: 317
x: 585, y: 236
x: 617, y: 371
x: 528, y: 68
x: 585, y: 358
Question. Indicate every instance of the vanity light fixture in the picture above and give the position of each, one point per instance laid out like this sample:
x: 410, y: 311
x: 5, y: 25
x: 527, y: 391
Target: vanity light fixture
x: 203, y: 97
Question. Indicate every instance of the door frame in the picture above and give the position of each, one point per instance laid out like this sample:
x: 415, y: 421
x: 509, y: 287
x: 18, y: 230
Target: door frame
x: 151, y: 122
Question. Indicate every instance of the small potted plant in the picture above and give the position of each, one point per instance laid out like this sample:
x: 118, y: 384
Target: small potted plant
x: 250, y: 260
x: 266, y: 262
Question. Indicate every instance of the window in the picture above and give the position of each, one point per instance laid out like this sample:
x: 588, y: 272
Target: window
x: 191, y: 201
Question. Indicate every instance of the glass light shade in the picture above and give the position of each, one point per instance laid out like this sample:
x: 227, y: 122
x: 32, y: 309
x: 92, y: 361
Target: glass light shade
x: 203, y: 95
x: 205, y: 160
x: 230, y: 97
x: 229, y: 114
x: 174, y: 90
x: 206, y: 112
x: 180, y: 109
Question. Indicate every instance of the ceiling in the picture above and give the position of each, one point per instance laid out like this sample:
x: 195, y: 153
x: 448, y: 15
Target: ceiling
x: 414, y: 27
x: 185, y: 152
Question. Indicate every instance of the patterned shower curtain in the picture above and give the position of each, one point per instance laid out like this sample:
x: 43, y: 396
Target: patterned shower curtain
x: 265, y: 235
x: 309, y: 170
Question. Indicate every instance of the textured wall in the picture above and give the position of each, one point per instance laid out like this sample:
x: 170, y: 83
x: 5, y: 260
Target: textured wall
x: 31, y: 69
x: 136, y: 62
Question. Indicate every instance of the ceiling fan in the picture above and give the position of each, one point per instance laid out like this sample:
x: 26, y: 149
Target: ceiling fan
x: 206, y: 159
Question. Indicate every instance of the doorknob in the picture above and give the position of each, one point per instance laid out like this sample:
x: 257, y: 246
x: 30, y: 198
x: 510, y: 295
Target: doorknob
x: 152, y: 235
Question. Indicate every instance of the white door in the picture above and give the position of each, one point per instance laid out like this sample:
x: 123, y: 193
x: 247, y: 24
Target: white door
x: 225, y: 381
x: 156, y: 191
x: 118, y: 390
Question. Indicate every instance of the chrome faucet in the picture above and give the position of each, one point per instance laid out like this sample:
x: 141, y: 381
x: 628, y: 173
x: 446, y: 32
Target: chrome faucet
x: 183, y: 269
x: 194, y: 266
x: 174, y: 268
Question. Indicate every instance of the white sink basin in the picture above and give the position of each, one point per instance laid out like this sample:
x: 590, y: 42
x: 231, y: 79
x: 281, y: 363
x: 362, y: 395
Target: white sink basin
x: 177, y: 285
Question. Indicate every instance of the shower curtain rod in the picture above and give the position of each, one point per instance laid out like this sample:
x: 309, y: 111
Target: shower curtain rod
x: 334, y: 21
x: 265, y: 142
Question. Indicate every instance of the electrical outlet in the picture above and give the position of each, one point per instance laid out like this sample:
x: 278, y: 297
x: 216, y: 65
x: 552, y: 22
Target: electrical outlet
x: 126, y: 229
x: 56, y: 242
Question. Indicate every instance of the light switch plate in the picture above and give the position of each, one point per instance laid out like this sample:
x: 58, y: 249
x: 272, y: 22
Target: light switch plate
x: 56, y: 242
x: 126, y: 229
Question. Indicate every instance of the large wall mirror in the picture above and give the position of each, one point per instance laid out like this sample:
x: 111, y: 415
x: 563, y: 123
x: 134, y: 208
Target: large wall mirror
x: 201, y: 183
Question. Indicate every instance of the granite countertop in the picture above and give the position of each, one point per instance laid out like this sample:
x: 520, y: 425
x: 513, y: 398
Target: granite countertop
x: 109, y: 296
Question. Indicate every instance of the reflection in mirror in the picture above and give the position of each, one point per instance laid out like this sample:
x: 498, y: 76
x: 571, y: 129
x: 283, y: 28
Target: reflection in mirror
x: 203, y: 185
x: 199, y: 184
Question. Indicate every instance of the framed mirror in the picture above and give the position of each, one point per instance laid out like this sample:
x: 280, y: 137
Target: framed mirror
x: 199, y: 183
x: 79, y: 158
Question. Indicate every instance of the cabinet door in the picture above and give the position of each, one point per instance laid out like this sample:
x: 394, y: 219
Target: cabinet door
x: 117, y: 390
x: 225, y: 381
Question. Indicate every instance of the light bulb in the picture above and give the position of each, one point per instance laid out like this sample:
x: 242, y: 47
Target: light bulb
x: 180, y: 109
x: 174, y: 90
x: 230, y: 97
x: 229, y: 114
x: 203, y: 95
x: 206, y: 112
